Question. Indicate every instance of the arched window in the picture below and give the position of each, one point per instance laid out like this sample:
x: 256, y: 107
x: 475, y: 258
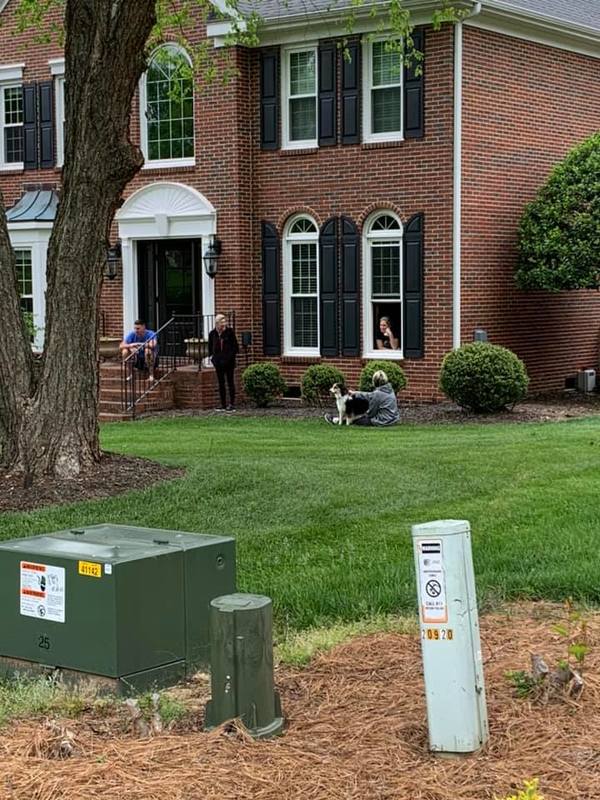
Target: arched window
x: 167, y: 104
x: 301, y: 287
x: 383, y: 285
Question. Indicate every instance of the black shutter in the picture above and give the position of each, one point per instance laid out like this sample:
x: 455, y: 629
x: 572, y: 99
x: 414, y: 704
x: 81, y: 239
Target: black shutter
x: 271, y: 283
x: 30, y: 148
x: 328, y: 287
x: 413, y: 288
x: 269, y: 100
x: 351, y: 94
x: 414, y: 94
x: 350, y: 286
x: 46, y: 123
x: 327, y: 94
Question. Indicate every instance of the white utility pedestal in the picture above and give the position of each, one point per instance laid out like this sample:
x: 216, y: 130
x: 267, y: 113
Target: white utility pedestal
x: 450, y: 642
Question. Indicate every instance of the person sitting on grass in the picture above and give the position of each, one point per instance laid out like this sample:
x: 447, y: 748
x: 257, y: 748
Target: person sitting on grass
x: 383, y: 406
x: 140, y: 340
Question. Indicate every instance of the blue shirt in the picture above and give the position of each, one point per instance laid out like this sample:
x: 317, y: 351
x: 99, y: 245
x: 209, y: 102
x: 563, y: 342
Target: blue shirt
x: 134, y: 338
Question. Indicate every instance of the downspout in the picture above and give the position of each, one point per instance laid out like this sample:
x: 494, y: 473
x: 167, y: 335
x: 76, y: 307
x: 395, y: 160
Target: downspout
x: 457, y: 192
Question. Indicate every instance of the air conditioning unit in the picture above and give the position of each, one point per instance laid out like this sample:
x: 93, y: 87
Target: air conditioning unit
x: 586, y: 380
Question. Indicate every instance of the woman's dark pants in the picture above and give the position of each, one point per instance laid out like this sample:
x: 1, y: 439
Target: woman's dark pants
x: 226, y: 371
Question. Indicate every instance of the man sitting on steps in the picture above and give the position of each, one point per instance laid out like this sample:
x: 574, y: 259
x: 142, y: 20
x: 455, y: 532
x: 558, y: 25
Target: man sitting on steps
x: 140, y: 340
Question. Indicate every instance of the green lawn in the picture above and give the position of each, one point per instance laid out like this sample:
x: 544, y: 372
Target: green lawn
x: 322, y: 515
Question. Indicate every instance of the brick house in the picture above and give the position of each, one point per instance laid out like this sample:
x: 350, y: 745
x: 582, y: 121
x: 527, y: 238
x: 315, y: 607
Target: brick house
x: 337, y: 190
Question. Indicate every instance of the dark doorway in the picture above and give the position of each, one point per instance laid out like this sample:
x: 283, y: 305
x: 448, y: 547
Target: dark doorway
x: 169, y: 279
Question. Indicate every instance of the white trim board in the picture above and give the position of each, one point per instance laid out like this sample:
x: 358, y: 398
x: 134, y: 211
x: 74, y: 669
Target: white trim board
x: 550, y: 33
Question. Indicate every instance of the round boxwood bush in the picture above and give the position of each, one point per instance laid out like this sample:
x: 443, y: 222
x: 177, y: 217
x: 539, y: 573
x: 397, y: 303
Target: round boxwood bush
x: 317, y: 381
x: 263, y: 383
x: 395, y: 375
x: 483, y: 377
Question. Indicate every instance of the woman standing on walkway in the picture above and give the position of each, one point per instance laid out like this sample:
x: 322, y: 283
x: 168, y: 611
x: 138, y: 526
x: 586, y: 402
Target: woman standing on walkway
x: 223, y: 348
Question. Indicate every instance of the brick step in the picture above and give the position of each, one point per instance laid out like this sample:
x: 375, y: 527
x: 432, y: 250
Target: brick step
x: 105, y: 416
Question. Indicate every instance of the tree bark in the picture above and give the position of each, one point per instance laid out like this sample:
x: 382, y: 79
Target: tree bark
x: 48, y: 423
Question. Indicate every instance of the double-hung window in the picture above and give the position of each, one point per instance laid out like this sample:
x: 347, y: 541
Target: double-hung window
x: 383, y: 82
x: 383, y: 286
x: 300, y: 98
x: 11, y: 123
x: 301, y: 284
x: 167, y: 106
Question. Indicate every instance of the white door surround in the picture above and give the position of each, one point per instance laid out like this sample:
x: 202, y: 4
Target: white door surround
x: 163, y: 210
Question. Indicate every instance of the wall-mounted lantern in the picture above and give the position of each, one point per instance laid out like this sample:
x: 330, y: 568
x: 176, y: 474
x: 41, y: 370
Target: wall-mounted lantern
x: 211, y: 258
x: 113, y: 258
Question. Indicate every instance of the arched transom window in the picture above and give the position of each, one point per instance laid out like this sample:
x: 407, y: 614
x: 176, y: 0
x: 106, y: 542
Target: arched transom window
x: 301, y: 286
x: 168, y: 108
x: 383, y: 285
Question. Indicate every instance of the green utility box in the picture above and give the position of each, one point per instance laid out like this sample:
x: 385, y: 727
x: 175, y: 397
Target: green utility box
x: 124, y: 603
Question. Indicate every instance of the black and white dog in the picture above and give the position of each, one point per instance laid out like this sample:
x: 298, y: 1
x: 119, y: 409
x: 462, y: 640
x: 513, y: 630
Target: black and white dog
x: 349, y: 407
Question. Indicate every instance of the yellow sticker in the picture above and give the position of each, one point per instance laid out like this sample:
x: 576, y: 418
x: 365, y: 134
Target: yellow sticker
x: 90, y: 569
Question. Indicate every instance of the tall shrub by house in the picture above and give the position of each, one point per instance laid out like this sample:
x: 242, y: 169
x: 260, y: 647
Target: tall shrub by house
x: 395, y: 373
x: 317, y: 382
x: 263, y: 383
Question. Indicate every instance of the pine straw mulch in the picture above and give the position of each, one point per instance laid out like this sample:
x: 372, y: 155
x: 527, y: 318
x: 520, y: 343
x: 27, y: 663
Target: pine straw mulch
x: 356, y: 730
x: 113, y: 475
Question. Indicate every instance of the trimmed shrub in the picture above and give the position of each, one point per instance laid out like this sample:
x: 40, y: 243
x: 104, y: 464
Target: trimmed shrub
x: 395, y: 375
x: 559, y: 233
x: 317, y: 381
x: 263, y: 383
x: 483, y: 377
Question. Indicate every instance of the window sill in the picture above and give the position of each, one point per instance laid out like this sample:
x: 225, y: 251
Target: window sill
x: 299, y: 151
x: 379, y: 144
x: 299, y: 358
x: 12, y: 167
x: 384, y: 355
x: 170, y: 164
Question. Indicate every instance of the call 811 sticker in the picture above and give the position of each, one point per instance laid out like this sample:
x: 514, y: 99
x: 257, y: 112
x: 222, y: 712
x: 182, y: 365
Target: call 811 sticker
x: 42, y: 591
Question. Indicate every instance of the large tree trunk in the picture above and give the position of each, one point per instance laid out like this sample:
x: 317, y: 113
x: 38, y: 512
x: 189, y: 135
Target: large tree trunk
x: 48, y: 420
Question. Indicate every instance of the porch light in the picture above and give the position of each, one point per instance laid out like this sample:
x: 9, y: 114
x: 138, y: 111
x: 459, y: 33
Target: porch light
x: 113, y: 257
x: 211, y: 258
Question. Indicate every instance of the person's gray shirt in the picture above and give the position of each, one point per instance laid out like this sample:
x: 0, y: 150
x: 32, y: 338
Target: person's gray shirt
x: 383, y: 406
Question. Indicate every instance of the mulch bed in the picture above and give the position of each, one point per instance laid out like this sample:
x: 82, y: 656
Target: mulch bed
x: 356, y: 730
x: 113, y: 475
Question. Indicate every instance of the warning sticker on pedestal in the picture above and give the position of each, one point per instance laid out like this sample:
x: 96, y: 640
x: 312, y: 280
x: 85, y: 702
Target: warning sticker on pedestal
x: 432, y: 582
x: 42, y: 591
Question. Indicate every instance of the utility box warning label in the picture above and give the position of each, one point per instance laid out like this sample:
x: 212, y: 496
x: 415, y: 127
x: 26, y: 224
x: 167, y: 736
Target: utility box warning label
x: 432, y: 581
x: 42, y: 592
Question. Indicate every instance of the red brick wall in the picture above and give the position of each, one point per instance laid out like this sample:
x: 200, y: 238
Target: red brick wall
x: 353, y: 180
x: 525, y: 106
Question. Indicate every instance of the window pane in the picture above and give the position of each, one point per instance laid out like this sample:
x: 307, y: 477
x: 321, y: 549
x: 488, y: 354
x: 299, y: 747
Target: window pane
x: 385, y: 260
x: 170, y: 110
x: 13, y: 105
x: 302, y: 73
x: 387, y: 65
x: 304, y: 268
x: 13, y: 145
x: 24, y: 271
x: 303, y: 119
x: 386, y: 110
x: 304, y: 322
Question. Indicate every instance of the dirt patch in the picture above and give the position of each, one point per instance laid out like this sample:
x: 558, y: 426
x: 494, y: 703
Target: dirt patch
x: 113, y: 475
x: 356, y: 730
x: 547, y: 408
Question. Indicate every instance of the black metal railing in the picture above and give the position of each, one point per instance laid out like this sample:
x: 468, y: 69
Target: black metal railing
x: 180, y: 342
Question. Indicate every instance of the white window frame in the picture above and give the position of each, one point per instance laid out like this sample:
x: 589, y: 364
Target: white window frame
x: 32, y: 295
x: 303, y: 144
x: 288, y: 317
x: 369, y: 236
x: 11, y: 76
x: 57, y: 69
x: 368, y: 135
x: 163, y: 163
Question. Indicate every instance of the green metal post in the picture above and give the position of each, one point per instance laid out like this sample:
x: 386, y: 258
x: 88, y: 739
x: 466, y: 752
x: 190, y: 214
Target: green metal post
x: 242, y: 682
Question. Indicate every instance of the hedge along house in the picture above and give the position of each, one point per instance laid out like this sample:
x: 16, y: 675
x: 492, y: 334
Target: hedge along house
x: 340, y: 190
